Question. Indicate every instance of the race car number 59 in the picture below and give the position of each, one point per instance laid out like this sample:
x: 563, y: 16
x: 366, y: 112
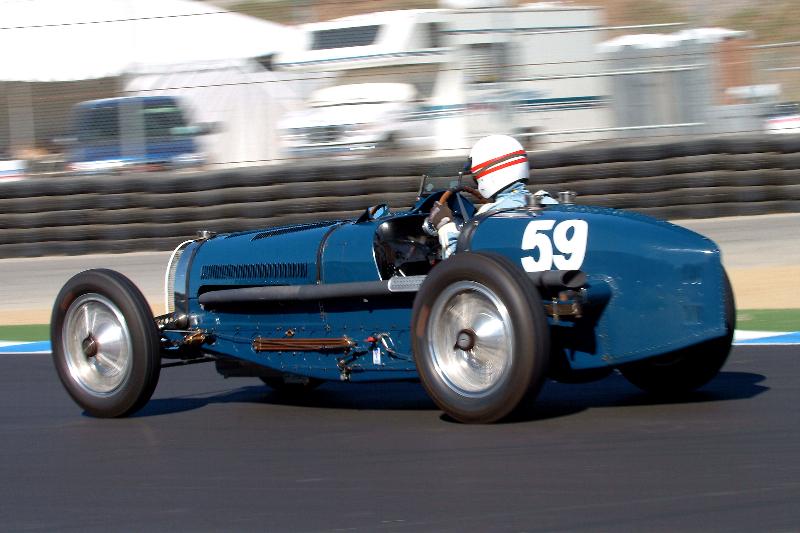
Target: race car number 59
x: 562, y: 245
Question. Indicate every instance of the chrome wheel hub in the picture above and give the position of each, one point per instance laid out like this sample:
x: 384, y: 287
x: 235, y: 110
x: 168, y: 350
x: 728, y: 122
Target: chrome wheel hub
x: 97, y: 344
x: 471, y: 338
x: 90, y: 346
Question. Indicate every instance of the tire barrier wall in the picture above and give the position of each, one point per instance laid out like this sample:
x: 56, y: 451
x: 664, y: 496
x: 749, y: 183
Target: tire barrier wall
x: 700, y: 178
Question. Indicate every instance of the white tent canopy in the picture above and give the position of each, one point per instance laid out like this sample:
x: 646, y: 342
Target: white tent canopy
x: 63, y: 40
x: 245, y: 100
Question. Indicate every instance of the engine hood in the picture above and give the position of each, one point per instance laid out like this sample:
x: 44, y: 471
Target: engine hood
x: 298, y: 254
x: 284, y: 255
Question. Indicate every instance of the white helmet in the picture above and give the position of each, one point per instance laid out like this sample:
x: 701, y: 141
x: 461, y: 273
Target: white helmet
x: 496, y: 162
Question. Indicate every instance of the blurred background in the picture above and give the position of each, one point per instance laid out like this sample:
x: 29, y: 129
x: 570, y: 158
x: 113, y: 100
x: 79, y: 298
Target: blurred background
x: 112, y: 85
x: 154, y: 101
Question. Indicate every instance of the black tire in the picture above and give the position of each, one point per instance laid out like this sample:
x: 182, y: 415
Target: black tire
x: 281, y: 385
x: 549, y: 159
x: 647, y: 168
x: 119, y: 379
x: 787, y: 144
x: 522, y: 346
x: 790, y: 161
x: 685, y: 370
x: 646, y: 152
x: 390, y: 145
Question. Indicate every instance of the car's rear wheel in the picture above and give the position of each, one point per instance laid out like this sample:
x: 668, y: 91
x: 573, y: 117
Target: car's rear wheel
x: 688, y: 369
x: 480, y: 337
x: 105, y: 343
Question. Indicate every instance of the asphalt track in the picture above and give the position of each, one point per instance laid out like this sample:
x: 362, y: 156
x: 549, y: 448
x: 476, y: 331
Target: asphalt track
x: 208, y: 454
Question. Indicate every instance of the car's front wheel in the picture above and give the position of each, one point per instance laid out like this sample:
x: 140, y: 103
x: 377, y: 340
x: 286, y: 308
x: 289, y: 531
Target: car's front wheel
x: 480, y: 337
x: 105, y: 343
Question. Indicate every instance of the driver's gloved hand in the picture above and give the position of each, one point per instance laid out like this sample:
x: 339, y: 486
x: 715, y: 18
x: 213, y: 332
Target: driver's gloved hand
x: 440, y: 215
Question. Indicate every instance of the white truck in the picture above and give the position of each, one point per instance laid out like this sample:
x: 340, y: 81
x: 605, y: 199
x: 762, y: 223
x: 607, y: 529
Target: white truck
x: 354, y: 118
x: 438, y: 79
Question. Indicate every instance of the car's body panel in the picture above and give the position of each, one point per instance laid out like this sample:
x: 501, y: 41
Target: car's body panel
x: 287, y: 256
x: 348, y: 254
x: 652, y: 288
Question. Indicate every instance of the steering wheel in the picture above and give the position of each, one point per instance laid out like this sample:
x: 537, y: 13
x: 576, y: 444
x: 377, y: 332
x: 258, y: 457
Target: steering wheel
x: 462, y: 209
x: 463, y: 188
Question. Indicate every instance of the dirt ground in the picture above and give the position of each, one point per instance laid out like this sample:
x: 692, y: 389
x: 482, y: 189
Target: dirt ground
x: 766, y: 287
x: 14, y: 317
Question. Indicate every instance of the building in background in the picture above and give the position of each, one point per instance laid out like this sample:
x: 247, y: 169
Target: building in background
x: 696, y: 81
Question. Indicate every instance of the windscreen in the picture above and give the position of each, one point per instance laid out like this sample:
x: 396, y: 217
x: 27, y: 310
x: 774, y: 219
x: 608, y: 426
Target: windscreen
x: 432, y: 184
x: 103, y: 122
x: 98, y: 123
x: 159, y: 120
x: 344, y: 37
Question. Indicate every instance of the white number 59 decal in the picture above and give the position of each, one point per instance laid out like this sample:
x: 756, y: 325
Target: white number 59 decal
x: 569, y: 240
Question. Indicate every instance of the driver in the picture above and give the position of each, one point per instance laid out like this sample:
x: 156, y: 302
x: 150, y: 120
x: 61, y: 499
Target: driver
x: 500, y: 167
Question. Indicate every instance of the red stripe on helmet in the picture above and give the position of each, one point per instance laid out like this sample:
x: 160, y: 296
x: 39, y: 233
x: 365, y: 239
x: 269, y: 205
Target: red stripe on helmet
x: 481, y: 166
x: 498, y: 167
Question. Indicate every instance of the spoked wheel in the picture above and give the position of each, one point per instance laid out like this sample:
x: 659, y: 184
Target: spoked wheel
x: 105, y: 343
x: 688, y: 369
x: 480, y: 337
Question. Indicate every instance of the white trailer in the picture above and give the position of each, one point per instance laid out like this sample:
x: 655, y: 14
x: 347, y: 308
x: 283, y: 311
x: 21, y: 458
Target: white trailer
x: 473, y: 71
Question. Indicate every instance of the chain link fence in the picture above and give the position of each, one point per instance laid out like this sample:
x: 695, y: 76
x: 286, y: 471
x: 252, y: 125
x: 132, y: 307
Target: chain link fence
x: 554, y: 76
x: 101, y: 93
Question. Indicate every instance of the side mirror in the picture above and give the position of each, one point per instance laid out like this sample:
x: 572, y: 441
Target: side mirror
x: 201, y: 128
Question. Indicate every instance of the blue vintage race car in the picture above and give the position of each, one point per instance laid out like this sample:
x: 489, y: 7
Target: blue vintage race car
x: 568, y: 292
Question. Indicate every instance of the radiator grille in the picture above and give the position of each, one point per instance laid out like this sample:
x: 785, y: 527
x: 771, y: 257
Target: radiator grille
x: 169, y: 282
